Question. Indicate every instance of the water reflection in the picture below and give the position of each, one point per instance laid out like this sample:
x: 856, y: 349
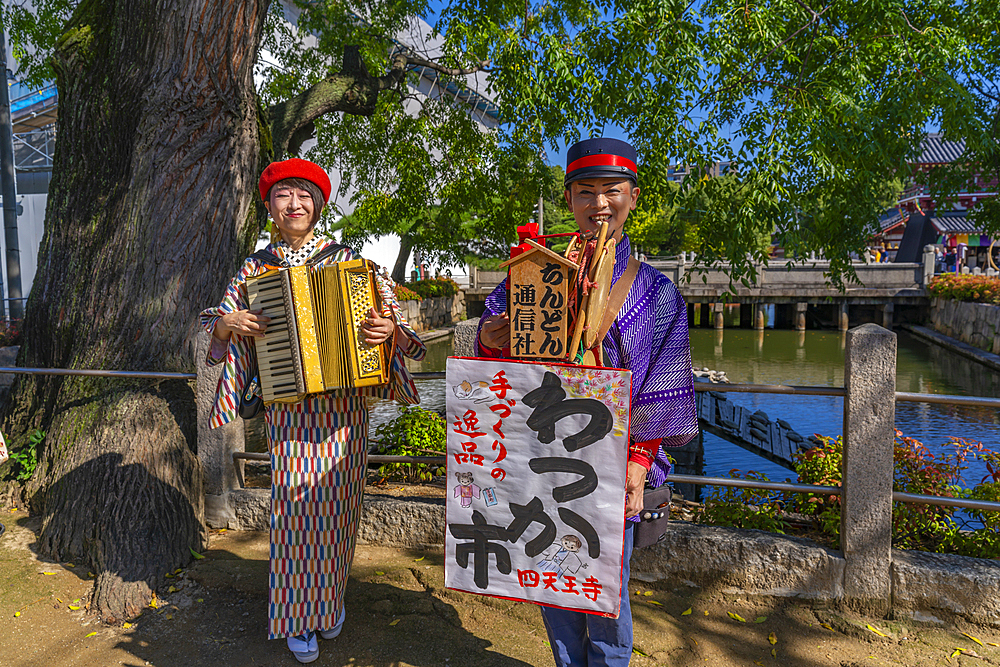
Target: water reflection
x: 817, y: 358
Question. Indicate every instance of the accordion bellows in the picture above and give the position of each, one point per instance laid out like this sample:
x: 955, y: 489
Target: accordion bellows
x: 313, y: 343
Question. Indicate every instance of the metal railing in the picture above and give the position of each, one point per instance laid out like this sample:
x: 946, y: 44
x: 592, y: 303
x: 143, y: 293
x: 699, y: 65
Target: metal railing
x: 380, y: 459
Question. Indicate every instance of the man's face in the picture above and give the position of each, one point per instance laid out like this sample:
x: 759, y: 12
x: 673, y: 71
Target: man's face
x: 594, y: 200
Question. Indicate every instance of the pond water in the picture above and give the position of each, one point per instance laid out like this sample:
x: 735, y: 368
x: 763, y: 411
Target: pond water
x: 806, y: 358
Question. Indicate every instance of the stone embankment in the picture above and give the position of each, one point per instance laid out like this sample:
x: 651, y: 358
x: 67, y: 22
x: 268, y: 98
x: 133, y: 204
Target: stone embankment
x: 977, y: 324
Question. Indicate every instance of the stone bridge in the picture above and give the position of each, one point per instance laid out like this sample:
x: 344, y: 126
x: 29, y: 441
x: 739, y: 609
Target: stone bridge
x: 794, y: 295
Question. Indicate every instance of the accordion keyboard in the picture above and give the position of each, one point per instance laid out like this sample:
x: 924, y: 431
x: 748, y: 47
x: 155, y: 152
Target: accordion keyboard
x: 277, y: 350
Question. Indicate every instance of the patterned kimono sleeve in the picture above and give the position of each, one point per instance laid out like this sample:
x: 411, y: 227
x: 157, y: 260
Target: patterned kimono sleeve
x: 407, y: 339
x: 240, y: 357
x: 664, y: 406
x: 496, y: 303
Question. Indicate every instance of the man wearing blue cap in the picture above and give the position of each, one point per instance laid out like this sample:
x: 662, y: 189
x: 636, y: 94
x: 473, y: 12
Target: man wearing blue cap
x: 649, y: 337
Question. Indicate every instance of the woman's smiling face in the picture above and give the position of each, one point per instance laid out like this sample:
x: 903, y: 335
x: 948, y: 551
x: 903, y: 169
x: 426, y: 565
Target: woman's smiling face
x: 292, y: 209
x: 595, y: 200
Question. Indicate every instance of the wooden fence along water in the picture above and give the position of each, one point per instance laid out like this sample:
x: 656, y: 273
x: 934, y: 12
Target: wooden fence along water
x: 756, y: 432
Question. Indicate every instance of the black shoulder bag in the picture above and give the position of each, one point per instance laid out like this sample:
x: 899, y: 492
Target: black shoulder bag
x: 251, y: 400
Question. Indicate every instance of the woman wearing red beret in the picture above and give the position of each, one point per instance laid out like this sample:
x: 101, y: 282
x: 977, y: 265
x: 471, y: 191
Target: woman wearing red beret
x: 319, y: 445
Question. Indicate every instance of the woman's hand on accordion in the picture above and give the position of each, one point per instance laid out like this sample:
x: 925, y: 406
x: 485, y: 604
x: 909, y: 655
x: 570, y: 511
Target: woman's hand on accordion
x: 242, y: 322
x: 377, y: 329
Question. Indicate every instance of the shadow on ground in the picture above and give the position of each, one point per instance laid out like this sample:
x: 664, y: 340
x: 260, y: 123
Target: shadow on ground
x: 400, y: 615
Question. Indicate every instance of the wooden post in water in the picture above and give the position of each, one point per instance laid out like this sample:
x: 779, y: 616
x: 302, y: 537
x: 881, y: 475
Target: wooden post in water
x: 866, y: 503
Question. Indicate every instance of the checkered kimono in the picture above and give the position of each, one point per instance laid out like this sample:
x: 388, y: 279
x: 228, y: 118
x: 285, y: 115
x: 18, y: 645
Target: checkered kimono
x: 318, y: 460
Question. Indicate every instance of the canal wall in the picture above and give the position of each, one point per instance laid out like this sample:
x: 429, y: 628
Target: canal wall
x: 977, y: 324
x: 434, y: 313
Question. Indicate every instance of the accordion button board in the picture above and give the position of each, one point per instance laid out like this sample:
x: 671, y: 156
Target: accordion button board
x: 314, y: 342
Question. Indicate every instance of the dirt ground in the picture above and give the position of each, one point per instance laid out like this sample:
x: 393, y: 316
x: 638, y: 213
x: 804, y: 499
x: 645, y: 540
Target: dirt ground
x: 399, y: 614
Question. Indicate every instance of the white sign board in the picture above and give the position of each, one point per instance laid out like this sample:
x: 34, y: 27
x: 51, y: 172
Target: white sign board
x: 536, y: 482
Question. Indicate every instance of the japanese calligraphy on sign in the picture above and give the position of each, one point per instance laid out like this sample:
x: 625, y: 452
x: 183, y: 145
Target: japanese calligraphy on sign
x: 536, y: 477
x: 540, y: 285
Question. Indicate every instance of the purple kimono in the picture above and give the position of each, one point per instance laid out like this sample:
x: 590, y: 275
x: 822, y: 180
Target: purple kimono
x: 649, y: 338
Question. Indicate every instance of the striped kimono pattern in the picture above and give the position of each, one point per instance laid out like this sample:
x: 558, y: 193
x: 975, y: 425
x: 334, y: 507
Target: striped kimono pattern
x: 318, y: 460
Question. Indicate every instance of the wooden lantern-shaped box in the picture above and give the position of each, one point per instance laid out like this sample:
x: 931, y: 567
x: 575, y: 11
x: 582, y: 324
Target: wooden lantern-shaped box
x: 540, y: 282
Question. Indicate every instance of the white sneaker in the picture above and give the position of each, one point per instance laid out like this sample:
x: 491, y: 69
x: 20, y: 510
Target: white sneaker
x: 304, y: 647
x: 334, y: 632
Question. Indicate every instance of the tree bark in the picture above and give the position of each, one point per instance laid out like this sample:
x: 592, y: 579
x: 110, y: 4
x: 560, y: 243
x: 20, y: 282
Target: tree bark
x: 399, y: 269
x: 149, y: 213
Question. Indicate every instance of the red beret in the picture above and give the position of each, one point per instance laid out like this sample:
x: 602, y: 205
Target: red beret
x: 294, y: 168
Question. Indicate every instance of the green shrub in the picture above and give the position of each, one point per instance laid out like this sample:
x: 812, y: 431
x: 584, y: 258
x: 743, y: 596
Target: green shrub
x: 744, y: 508
x: 414, y: 432
x: 24, y: 458
x: 914, y: 525
x: 403, y: 293
x: 966, y: 287
x: 434, y: 287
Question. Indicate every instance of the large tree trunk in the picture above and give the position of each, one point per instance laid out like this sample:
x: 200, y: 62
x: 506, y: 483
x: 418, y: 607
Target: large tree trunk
x: 149, y: 213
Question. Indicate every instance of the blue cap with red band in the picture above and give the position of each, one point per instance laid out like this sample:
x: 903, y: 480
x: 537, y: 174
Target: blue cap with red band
x: 601, y: 157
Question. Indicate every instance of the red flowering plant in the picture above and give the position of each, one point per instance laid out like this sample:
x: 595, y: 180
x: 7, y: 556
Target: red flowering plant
x: 10, y: 333
x: 966, y: 287
x: 404, y: 293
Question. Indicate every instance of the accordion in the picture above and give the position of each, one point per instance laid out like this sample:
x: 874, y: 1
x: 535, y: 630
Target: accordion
x: 313, y: 343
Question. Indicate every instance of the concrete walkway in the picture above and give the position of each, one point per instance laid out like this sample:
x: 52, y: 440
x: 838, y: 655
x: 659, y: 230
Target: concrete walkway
x: 399, y: 614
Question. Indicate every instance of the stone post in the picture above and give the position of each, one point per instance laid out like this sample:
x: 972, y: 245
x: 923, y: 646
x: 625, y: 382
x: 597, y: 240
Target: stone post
x: 719, y: 320
x: 759, y: 316
x: 866, y: 504
x: 843, y: 321
x: 800, y: 316
x: 928, y: 265
x: 215, y: 446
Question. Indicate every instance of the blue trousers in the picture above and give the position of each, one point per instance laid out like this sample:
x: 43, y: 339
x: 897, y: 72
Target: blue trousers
x: 588, y: 640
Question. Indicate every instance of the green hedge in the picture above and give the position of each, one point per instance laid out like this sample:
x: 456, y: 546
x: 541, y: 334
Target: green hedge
x: 435, y: 287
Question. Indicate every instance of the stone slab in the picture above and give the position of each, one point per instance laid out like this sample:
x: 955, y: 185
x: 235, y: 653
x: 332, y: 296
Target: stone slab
x: 465, y: 337
x: 982, y: 356
x: 926, y: 583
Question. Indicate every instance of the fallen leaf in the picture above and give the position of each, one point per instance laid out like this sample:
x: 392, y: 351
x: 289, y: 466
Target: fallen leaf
x: 973, y: 639
x: 774, y: 653
x: 760, y: 619
x: 48, y: 573
x: 686, y: 612
x: 992, y: 644
x: 381, y: 574
x: 658, y: 604
x: 180, y: 569
x: 70, y: 565
x: 546, y: 644
x: 90, y: 635
x: 172, y: 589
x: 417, y: 560
x: 168, y: 575
x: 958, y: 651
x: 394, y: 621
x: 197, y: 556
x: 736, y: 617
x: 773, y: 638
x: 16, y: 614
x: 169, y: 617
x: 126, y: 626
x: 222, y: 530
x: 73, y: 607
x: 758, y: 662
x: 706, y: 612
x: 200, y: 600
x: 58, y: 599
x: 827, y: 626
x: 91, y: 575
x: 638, y: 652
x: 876, y: 630
x: 648, y: 593
x: 695, y: 641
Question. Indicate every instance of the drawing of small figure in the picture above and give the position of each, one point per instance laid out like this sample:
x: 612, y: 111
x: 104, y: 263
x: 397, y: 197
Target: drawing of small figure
x: 478, y: 391
x: 466, y: 489
x: 561, y: 557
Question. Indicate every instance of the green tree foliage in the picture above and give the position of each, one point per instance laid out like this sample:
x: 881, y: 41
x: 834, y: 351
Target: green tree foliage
x: 814, y: 101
